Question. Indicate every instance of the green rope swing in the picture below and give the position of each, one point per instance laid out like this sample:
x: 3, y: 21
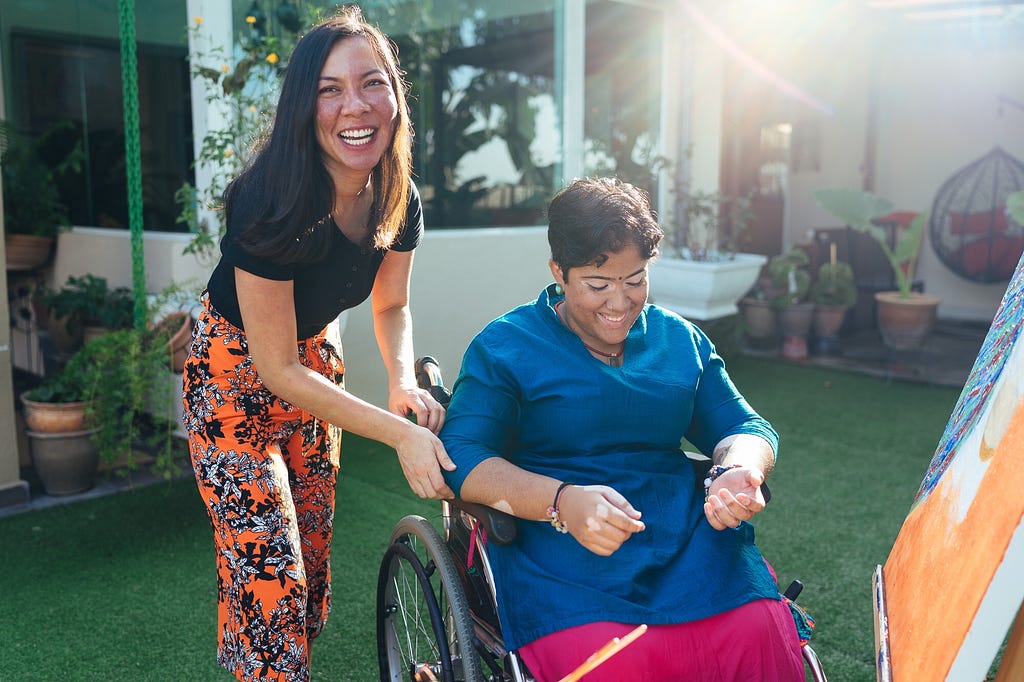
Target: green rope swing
x: 133, y: 163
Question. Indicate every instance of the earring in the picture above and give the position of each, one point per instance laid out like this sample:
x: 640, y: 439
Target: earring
x: 558, y: 289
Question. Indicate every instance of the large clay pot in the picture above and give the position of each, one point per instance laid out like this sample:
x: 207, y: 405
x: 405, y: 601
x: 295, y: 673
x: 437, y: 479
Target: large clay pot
x: 26, y: 251
x: 906, y: 323
x: 66, y: 463
x: 53, y: 417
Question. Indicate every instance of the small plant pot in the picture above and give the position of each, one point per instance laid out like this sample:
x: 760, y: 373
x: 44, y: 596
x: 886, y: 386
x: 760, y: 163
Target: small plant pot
x: 795, y: 323
x: 66, y: 463
x: 53, y: 417
x: 906, y: 323
x: 828, y: 320
x: 759, y: 321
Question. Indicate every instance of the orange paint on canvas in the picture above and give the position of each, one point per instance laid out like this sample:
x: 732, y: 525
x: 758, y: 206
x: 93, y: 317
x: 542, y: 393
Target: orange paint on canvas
x: 939, y: 570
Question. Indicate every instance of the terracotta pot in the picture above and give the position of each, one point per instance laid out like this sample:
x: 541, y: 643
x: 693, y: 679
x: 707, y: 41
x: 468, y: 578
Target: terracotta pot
x: 27, y: 251
x: 906, y: 323
x: 66, y: 463
x: 53, y: 417
x: 828, y: 320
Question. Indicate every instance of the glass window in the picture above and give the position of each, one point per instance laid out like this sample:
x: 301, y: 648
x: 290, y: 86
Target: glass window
x: 484, y: 107
x: 64, y: 70
x: 622, y: 92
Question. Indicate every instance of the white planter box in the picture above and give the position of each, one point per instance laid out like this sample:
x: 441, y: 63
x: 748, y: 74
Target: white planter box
x: 703, y: 290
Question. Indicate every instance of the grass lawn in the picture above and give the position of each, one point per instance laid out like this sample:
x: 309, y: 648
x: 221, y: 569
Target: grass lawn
x: 122, y: 587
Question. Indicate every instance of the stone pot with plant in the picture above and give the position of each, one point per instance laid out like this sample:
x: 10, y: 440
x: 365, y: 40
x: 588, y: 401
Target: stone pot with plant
x: 833, y: 293
x: 33, y: 210
x: 700, y: 272
x: 58, y: 429
x: 905, y: 317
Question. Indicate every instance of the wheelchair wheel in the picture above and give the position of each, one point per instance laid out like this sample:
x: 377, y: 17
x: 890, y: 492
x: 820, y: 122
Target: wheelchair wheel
x: 424, y: 627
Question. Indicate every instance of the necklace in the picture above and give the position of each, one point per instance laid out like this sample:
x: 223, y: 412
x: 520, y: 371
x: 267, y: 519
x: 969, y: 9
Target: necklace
x: 614, y: 359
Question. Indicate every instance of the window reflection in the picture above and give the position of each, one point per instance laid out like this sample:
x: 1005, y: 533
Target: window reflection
x: 487, y: 135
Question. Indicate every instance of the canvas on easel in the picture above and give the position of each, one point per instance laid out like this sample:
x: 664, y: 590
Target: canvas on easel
x: 951, y: 587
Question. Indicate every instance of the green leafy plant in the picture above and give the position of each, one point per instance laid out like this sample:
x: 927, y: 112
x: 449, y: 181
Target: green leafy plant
x: 789, y: 276
x: 88, y: 300
x: 835, y: 285
x: 244, y: 90
x: 859, y: 209
x: 32, y: 203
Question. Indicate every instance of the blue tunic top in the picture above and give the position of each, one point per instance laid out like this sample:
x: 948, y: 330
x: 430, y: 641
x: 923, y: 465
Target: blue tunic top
x: 530, y: 392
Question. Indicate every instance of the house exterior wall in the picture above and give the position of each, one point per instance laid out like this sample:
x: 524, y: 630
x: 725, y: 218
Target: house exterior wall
x: 937, y: 96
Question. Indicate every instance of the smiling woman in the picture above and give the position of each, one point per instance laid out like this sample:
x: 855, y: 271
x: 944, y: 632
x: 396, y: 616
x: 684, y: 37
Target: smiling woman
x: 324, y: 216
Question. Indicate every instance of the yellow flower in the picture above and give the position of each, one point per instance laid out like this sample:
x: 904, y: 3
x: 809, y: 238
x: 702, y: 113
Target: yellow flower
x: 252, y: 108
x: 250, y: 19
x: 272, y: 58
x: 228, y: 152
x: 198, y: 20
x: 225, y: 68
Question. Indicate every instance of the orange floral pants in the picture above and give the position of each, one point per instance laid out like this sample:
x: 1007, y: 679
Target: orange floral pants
x: 266, y: 472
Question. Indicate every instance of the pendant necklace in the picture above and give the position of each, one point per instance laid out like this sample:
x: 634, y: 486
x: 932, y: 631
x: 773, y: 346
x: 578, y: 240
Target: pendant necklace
x: 614, y: 359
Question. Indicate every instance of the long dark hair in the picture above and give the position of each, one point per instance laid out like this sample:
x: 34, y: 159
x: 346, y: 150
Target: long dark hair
x: 286, y: 193
x: 594, y: 217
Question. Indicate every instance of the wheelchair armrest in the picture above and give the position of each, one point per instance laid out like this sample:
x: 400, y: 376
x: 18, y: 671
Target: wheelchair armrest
x: 500, y: 527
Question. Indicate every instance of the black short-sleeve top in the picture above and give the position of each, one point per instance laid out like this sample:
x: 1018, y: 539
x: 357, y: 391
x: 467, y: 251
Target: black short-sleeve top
x: 323, y: 289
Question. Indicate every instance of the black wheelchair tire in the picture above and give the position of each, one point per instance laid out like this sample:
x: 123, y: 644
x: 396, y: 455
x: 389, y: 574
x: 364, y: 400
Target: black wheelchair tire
x: 423, y: 616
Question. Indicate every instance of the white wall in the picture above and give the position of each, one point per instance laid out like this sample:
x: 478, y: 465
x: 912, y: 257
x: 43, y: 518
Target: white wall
x: 462, y: 279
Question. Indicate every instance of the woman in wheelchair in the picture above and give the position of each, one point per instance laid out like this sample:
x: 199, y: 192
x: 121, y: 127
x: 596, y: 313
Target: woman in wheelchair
x: 569, y: 413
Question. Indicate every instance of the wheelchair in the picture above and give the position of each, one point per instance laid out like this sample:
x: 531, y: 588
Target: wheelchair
x: 437, y: 618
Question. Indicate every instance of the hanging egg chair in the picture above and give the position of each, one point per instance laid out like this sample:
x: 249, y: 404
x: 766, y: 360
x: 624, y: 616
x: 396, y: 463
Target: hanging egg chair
x: 969, y: 228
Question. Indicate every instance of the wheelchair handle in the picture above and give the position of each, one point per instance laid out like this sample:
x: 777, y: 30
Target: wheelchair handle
x: 428, y: 377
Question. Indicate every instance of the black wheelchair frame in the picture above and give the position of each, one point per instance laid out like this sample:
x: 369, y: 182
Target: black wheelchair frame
x: 437, y: 616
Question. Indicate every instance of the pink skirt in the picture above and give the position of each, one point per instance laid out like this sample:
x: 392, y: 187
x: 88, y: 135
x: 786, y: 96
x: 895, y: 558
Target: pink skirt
x: 756, y: 642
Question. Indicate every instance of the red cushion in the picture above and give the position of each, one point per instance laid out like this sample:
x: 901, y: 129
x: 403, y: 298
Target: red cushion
x: 995, y: 258
x: 986, y: 222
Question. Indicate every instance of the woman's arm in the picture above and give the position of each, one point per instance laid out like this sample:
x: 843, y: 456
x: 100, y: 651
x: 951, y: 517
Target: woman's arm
x: 598, y: 517
x: 268, y: 314
x: 392, y: 323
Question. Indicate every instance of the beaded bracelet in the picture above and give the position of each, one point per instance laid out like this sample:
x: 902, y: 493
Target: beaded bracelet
x: 556, y: 520
x: 714, y: 473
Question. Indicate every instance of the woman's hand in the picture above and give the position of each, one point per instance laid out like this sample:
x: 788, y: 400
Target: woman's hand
x: 734, y: 497
x: 598, y: 517
x: 422, y: 455
x: 429, y: 413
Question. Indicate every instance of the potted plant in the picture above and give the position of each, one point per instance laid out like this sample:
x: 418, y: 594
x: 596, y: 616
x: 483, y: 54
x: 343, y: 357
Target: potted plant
x: 59, y: 434
x: 88, y: 307
x: 33, y: 210
x: 833, y: 293
x: 905, y: 318
x: 796, y: 314
x: 701, y: 275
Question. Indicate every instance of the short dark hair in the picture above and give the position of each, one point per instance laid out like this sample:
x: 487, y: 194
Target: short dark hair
x: 287, y: 188
x: 594, y: 217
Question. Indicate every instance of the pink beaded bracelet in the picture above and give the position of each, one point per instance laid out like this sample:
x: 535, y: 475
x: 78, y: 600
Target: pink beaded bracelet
x: 556, y: 520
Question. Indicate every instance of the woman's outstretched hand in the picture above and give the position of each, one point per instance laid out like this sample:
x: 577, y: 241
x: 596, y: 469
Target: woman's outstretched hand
x: 422, y: 456
x: 734, y: 497
x: 598, y: 517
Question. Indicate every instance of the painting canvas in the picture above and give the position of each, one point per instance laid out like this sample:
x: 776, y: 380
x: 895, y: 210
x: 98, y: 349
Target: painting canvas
x: 952, y: 580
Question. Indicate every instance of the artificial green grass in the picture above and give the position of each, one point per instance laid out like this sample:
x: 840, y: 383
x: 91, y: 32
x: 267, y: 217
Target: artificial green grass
x: 122, y: 587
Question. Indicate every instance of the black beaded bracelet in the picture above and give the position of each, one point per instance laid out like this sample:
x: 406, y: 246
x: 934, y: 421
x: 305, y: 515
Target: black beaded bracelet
x: 553, y: 515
